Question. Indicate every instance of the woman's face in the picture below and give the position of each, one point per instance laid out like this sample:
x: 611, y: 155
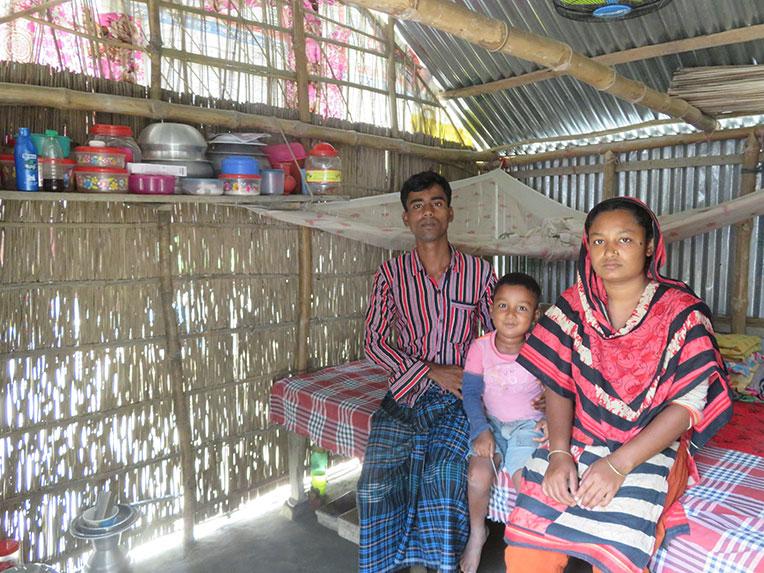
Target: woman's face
x: 617, y: 247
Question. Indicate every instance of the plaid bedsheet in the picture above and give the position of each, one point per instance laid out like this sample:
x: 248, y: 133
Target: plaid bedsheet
x: 333, y: 407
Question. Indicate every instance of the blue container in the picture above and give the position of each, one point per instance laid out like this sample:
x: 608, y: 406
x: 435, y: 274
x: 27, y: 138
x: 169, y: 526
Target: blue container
x: 25, y: 157
x: 240, y: 165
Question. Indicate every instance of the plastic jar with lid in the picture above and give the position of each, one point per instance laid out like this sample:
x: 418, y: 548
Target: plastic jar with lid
x: 120, y: 136
x: 323, y: 170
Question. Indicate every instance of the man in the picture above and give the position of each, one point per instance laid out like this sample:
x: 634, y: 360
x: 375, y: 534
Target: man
x: 412, y: 489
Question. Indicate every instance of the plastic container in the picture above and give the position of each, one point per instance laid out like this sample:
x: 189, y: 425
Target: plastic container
x: 319, y: 461
x: 25, y: 158
x: 143, y: 184
x: 7, y: 171
x: 100, y: 179
x: 284, y: 152
x: 56, y: 174
x: 241, y: 184
x: 201, y: 186
x: 64, y: 141
x: 118, y: 136
x: 10, y: 550
x: 98, y: 155
x: 272, y: 182
x: 323, y: 170
x: 239, y: 165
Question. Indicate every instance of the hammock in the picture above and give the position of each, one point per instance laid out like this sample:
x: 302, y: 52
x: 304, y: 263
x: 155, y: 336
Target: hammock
x: 495, y: 214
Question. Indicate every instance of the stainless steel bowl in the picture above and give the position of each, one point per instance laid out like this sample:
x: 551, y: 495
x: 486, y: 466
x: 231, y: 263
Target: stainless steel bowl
x: 172, y: 141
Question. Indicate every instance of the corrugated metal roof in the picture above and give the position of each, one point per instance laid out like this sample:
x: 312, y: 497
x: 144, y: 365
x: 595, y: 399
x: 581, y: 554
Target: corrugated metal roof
x: 564, y: 106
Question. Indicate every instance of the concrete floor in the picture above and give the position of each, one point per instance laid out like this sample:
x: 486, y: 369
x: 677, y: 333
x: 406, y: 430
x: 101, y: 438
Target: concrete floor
x: 272, y: 543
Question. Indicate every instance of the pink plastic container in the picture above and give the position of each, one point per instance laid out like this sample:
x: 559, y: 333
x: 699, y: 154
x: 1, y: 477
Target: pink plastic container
x: 151, y: 184
x: 100, y: 179
x: 280, y: 153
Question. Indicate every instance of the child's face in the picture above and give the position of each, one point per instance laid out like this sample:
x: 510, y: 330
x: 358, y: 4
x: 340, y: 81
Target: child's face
x: 514, y: 310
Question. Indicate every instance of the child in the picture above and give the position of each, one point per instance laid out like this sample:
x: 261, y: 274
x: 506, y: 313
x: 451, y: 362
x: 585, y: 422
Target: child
x: 494, y: 384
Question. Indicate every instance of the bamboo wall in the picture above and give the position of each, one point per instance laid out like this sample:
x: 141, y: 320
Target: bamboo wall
x: 86, y: 391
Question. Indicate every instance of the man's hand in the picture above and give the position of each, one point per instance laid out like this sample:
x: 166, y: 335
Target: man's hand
x: 447, y: 377
x: 484, y: 445
x: 539, y: 402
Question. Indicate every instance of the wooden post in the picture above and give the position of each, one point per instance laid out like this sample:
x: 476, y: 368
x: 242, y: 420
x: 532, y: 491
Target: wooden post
x: 300, y: 59
x: 611, y: 177
x: 298, y: 501
x: 180, y: 402
x: 155, y: 50
x: 392, y: 76
x: 743, y: 238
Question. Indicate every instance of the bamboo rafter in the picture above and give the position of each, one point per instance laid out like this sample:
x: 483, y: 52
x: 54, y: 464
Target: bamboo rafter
x: 497, y: 36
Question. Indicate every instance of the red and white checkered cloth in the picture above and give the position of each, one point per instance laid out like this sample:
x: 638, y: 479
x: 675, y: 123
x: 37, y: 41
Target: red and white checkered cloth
x: 333, y: 407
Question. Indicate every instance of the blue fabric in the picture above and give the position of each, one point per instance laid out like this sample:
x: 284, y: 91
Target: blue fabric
x: 472, y: 396
x: 412, y: 493
x: 514, y: 441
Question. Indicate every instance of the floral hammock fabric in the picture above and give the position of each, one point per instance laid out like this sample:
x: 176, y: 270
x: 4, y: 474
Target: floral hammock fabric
x: 495, y: 214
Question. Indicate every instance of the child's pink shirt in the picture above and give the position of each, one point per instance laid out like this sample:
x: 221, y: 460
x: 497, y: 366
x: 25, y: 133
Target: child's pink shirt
x: 509, y: 388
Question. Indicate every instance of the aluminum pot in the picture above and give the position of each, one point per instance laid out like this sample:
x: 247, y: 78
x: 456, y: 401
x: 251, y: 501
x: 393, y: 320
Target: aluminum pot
x: 172, y: 141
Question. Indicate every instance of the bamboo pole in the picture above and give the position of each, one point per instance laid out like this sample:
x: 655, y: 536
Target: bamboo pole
x: 497, y: 36
x: 743, y: 232
x: 392, y: 77
x: 180, y: 403
x: 632, y: 145
x: 305, y: 290
x: 155, y: 49
x: 610, y: 177
x: 300, y: 59
x: 62, y: 98
x: 32, y: 10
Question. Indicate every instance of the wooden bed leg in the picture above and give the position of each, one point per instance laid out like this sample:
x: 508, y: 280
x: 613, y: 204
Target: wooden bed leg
x: 297, y: 504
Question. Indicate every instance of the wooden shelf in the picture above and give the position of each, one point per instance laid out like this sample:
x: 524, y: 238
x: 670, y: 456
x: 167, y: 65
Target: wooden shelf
x: 264, y: 201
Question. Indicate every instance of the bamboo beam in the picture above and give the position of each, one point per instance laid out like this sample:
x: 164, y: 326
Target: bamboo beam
x: 610, y: 177
x: 300, y: 59
x: 392, y: 76
x: 633, y: 145
x: 734, y: 36
x: 743, y: 232
x: 155, y: 50
x: 33, y: 10
x: 497, y: 36
x: 180, y: 402
x: 62, y: 98
x: 305, y: 290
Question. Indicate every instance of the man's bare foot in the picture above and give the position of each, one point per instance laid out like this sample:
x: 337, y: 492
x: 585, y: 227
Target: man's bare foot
x: 471, y: 556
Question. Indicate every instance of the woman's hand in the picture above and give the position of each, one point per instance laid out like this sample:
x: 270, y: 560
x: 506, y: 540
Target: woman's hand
x: 599, y: 484
x: 561, y: 479
x: 484, y: 445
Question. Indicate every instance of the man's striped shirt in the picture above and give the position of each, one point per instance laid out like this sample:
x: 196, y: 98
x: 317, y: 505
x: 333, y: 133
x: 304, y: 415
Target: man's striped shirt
x: 433, y: 321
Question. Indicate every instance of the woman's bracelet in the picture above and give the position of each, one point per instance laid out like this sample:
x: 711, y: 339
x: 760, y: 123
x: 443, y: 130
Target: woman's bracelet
x: 612, y: 467
x: 566, y: 452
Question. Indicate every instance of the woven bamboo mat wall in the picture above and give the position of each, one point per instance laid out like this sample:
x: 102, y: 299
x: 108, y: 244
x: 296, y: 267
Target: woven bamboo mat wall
x: 85, y: 391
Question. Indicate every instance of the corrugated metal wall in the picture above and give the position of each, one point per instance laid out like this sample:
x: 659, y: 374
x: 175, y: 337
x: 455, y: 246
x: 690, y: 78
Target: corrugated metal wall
x: 705, y: 261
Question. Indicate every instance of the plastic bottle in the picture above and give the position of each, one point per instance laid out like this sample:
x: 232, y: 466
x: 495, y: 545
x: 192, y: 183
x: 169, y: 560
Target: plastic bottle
x: 51, y: 163
x: 25, y: 157
x: 323, y: 170
x: 319, y: 460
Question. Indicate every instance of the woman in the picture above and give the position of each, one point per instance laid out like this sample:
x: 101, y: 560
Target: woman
x: 635, y: 384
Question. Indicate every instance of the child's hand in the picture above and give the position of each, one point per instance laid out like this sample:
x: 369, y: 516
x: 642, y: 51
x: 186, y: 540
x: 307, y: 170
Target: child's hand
x: 484, y: 445
x: 539, y: 403
x: 543, y: 427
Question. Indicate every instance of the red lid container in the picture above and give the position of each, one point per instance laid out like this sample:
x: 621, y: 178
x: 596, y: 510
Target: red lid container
x: 111, y: 130
x: 323, y: 150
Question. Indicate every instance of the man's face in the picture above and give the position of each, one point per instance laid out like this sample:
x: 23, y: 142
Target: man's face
x: 427, y: 214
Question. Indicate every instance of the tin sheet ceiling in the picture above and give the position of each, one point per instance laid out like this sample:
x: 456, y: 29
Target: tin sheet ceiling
x: 563, y: 106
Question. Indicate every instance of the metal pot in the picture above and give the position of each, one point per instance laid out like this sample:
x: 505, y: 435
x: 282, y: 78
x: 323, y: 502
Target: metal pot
x: 172, y: 141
